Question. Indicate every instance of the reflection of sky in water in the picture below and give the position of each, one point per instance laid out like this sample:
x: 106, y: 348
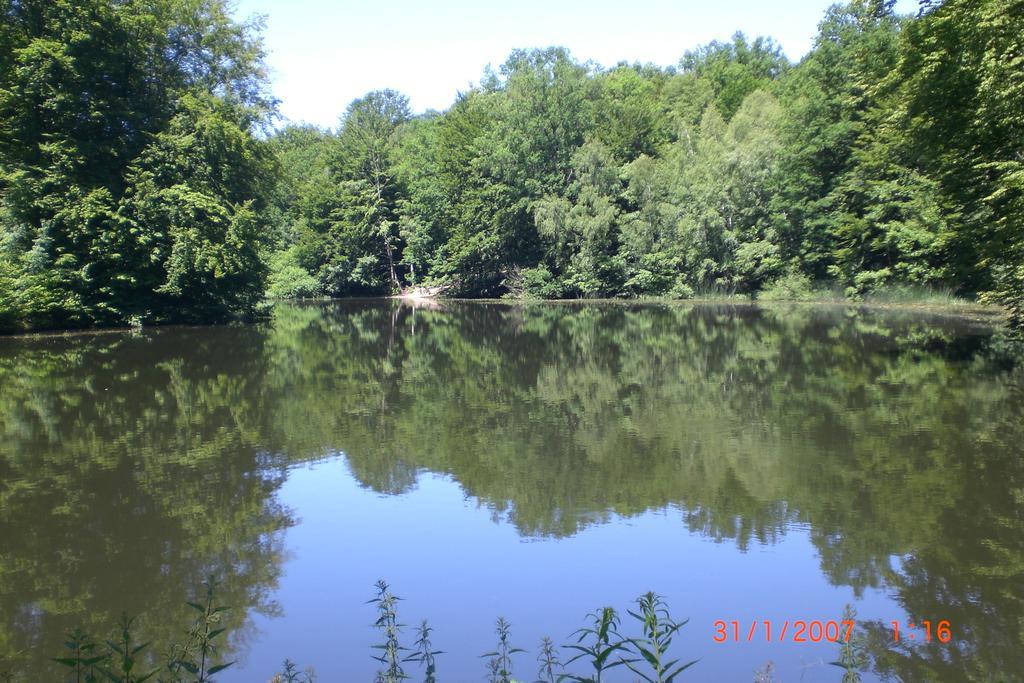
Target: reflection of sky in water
x: 871, y: 448
x: 453, y: 564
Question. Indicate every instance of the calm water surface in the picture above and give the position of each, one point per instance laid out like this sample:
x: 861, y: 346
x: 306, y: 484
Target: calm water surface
x: 532, y: 462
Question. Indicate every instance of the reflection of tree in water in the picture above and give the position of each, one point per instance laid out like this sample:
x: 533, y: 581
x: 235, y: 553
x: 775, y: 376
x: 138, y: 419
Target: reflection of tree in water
x: 130, y: 469
x: 145, y: 460
x: 888, y: 435
x: 967, y: 566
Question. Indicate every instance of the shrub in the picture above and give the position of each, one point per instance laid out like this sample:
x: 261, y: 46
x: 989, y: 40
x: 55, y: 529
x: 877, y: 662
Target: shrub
x: 288, y: 279
x: 790, y: 287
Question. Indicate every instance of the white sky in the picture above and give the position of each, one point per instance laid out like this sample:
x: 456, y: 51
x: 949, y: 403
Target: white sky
x: 324, y: 53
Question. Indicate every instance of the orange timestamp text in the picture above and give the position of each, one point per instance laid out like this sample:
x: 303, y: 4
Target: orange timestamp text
x: 801, y: 631
x: 772, y: 631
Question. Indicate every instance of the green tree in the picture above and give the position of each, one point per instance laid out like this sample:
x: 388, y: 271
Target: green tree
x: 581, y: 228
x: 89, y: 93
x: 968, y: 56
x: 829, y: 99
x: 190, y: 206
x: 630, y: 115
x: 735, y: 69
x: 365, y: 166
x: 732, y: 172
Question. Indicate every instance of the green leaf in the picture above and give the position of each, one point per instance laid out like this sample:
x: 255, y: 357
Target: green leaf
x: 219, y: 667
x: 682, y: 668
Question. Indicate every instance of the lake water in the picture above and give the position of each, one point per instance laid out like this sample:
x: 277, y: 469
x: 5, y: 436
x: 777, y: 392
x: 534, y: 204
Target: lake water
x: 534, y: 462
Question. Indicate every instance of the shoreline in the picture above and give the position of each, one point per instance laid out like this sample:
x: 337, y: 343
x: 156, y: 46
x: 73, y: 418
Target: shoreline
x: 968, y: 311
x: 965, y: 310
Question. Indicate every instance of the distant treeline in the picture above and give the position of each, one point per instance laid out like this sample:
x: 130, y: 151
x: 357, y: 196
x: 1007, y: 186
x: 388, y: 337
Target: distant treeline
x: 138, y: 182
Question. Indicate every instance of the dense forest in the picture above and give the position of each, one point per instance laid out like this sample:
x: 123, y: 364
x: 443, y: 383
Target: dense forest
x: 142, y: 180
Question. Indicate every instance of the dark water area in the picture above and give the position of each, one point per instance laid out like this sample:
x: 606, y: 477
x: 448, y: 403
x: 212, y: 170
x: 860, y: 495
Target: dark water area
x: 535, y: 462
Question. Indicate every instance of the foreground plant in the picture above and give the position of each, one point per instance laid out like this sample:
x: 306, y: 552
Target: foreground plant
x: 599, y: 645
x: 84, y: 657
x: 603, y: 642
x: 197, y: 654
x: 425, y: 653
x: 550, y: 664
x: 125, y: 655
x: 291, y: 674
x: 658, y: 630
x: 766, y: 674
x: 499, y: 666
x: 118, y: 660
x: 852, y: 655
x: 387, y: 621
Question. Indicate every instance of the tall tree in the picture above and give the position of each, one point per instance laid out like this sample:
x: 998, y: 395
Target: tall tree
x: 365, y: 166
x: 736, y: 68
x: 87, y: 90
x: 829, y: 99
x: 969, y: 55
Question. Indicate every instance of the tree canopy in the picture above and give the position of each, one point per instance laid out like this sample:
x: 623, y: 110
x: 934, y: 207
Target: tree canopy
x: 132, y: 185
x: 887, y: 157
x: 136, y: 184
